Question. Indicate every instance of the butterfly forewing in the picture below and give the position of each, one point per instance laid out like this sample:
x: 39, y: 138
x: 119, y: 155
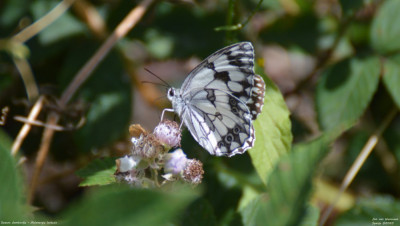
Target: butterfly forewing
x: 220, y: 98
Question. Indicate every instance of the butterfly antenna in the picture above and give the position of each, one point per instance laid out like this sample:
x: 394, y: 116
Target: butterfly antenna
x: 155, y: 83
x: 166, y: 83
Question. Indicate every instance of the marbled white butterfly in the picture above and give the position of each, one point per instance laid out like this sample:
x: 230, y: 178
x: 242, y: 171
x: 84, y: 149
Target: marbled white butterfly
x: 220, y: 99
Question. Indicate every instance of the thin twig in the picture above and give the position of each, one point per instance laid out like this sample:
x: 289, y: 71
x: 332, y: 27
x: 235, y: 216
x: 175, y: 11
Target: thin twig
x: 355, y: 168
x: 38, y: 123
x: 43, y: 22
x: 123, y: 28
x: 25, y: 129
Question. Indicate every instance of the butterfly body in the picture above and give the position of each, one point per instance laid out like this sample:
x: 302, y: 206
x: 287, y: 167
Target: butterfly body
x: 219, y: 100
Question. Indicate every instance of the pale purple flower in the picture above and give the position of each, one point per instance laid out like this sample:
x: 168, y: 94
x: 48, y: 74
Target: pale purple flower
x: 168, y: 132
x: 175, y: 162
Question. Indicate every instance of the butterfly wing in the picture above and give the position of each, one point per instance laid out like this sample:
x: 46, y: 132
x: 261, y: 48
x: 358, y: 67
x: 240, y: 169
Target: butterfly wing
x: 220, y: 122
x: 230, y: 69
x: 223, y: 95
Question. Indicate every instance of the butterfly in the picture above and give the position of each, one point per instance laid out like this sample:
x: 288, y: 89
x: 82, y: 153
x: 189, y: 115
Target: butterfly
x: 220, y: 99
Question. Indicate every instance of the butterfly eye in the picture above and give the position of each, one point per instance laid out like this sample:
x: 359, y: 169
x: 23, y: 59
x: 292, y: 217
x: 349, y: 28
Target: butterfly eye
x: 171, y: 93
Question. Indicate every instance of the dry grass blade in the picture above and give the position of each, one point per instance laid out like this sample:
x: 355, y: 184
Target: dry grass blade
x: 355, y: 168
x: 43, y: 22
x: 25, y: 129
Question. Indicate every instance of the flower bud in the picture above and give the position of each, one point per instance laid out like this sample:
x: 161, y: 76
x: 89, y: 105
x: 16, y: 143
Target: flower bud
x: 168, y: 132
x: 146, y: 146
x: 193, y: 172
x: 127, y: 163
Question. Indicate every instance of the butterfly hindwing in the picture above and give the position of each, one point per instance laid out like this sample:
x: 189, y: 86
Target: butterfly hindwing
x: 221, y: 122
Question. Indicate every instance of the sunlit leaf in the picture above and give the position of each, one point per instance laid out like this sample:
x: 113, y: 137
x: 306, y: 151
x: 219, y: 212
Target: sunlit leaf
x: 289, y: 186
x: 98, y: 172
x: 345, y: 91
x: 273, y: 131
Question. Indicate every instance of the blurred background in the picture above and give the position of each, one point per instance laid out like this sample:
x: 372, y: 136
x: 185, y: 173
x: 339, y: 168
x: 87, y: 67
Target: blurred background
x: 295, y: 42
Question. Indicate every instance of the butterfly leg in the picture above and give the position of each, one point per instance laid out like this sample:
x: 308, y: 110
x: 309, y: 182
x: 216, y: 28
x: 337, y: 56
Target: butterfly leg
x: 166, y: 109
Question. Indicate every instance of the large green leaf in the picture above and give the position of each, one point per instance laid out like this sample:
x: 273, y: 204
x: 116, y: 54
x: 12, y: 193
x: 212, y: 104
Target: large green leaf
x: 289, y: 187
x: 273, y: 131
x: 391, y: 78
x: 98, y: 172
x: 385, y: 31
x: 345, y: 90
x: 11, y: 186
x: 380, y: 210
x: 123, y: 205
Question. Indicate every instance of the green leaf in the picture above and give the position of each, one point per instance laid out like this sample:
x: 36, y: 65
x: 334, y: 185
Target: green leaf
x: 11, y: 186
x: 345, y: 90
x: 391, y: 78
x: 273, y: 131
x: 98, y: 172
x: 252, y: 210
x: 65, y: 26
x: 289, y: 186
x: 123, y: 205
x: 372, y: 211
x: 385, y: 31
x: 312, y: 216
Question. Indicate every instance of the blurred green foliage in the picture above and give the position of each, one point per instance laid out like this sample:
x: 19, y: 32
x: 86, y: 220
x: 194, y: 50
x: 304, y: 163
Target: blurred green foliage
x: 335, y: 63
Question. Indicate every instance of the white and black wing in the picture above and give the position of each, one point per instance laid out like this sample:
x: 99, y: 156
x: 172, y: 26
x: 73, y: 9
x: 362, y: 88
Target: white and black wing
x: 224, y: 96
